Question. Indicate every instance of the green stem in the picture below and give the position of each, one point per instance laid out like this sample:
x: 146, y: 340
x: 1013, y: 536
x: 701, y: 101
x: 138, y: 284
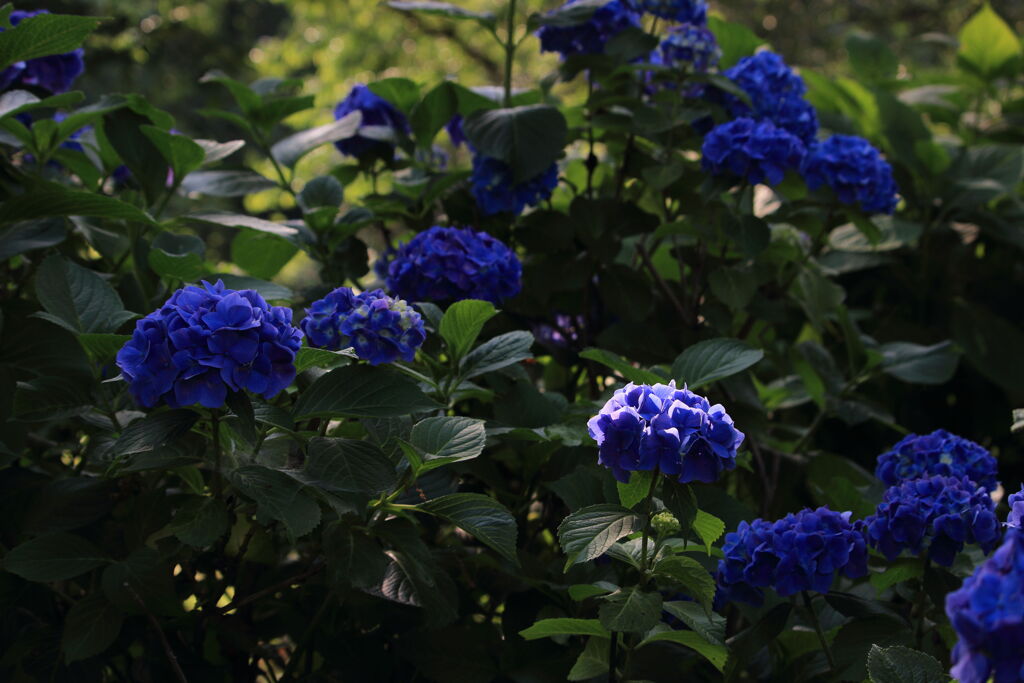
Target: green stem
x: 920, y: 606
x: 612, y: 654
x: 817, y: 629
x: 510, y: 51
x: 647, y: 522
x: 215, y: 431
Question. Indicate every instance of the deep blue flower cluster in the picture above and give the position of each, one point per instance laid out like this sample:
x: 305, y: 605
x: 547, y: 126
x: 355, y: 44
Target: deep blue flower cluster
x: 206, y: 341
x: 381, y: 124
x: 455, y: 132
x: 445, y: 265
x: 683, y: 11
x: 381, y: 329
x: 678, y: 432
x: 800, y: 552
x: 589, y: 37
x: 757, y: 151
x: 54, y: 73
x: 689, y: 46
x: 854, y: 170
x: 942, y: 512
x: 1016, y: 517
x: 937, y: 453
x: 776, y: 93
x: 987, y: 613
x: 494, y: 191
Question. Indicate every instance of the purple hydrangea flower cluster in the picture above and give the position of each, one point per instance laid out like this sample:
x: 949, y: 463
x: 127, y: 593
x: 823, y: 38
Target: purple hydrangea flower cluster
x: 683, y: 11
x: 800, y: 552
x: 380, y: 328
x: 688, y: 46
x: 855, y: 171
x: 755, y: 150
x: 54, y: 73
x: 937, y: 453
x: 445, y: 265
x: 676, y: 431
x: 940, y: 512
x: 1016, y: 517
x: 206, y: 341
x: 495, y: 192
x: 987, y: 613
x: 381, y: 124
x: 776, y: 93
x: 589, y: 37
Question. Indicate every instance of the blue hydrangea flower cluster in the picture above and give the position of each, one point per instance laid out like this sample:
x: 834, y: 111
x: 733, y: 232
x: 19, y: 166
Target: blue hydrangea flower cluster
x: 1016, y: 517
x: 455, y: 132
x: 942, y: 512
x: 937, y: 453
x: 987, y: 613
x: 494, y: 191
x: 683, y: 11
x: 445, y: 265
x: 678, y: 432
x: 589, y: 37
x: 54, y: 73
x: 206, y: 341
x: 381, y: 124
x: 801, y: 552
x: 855, y: 171
x: 690, y: 47
x: 776, y: 93
x: 755, y: 150
x: 381, y: 329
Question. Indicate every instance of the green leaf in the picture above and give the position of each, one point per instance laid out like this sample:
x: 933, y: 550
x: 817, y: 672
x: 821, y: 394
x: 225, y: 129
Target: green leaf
x: 22, y: 237
x: 735, y: 40
x: 322, y: 191
x: 443, y: 440
x: 899, y: 664
x: 692, y: 576
x: 181, y: 154
x: 708, y: 528
x: 546, y: 628
x: 443, y: 9
x: 261, y: 254
x: 353, y: 558
x: 716, y: 654
x: 246, y: 98
x: 182, y: 257
x: 991, y: 343
x: 236, y: 220
x: 630, y: 610
x: 592, y: 662
x: 77, y: 298
x: 872, y: 58
x: 734, y: 287
x: 401, y: 92
x: 308, y: 357
x: 528, y: 138
x: 432, y: 113
x: 486, y: 519
x: 200, y: 521
x: 54, y: 557
x: 819, y: 296
x: 636, y: 490
x: 226, y: 183
x: 218, y: 151
x: 919, y: 364
x: 622, y: 366
x: 413, y: 578
x: 271, y: 291
x: 590, y: 531
x: 50, y: 199
x: 44, y: 35
x: 49, y: 398
x: 582, y: 591
x: 898, y: 571
x: 713, y: 359
x: 102, y: 348
x: 709, y: 625
x: 123, y: 130
x: 987, y: 44
x: 142, y: 576
x: 272, y: 111
x: 294, y: 147
x: 462, y: 323
x: 91, y: 626
x: 574, y: 14
x: 499, y: 352
x: 347, y: 466
x: 155, y: 430
x: 361, y: 391
x: 279, y: 497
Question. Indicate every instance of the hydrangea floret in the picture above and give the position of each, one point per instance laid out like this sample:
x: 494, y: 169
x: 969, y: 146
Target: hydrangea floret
x: 756, y: 151
x: 54, y: 73
x: 495, y: 192
x: 589, y: 37
x: 207, y: 341
x: 916, y: 456
x: 677, y: 432
x: 776, y: 94
x: 987, y: 613
x: 801, y: 552
x: 855, y: 171
x: 682, y: 11
x: 445, y: 265
x: 690, y: 47
x: 381, y: 329
x: 381, y: 124
x: 1016, y: 517
x: 938, y: 514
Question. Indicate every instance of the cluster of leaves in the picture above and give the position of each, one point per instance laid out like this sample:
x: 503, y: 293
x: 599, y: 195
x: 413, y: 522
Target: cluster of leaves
x: 448, y: 516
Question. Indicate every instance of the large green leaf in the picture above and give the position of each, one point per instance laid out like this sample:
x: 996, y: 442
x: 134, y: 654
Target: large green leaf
x: 709, y: 625
x: 691, y: 575
x: 713, y: 359
x: 443, y: 9
x: 181, y: 154
x: 178, y: 256
x: 361, y: 391
x: 144, y: 576
x: 353, y: 557
x: 348, y: 466
x: 482, y: 516
x: 716, y: 654
x: 442, y: 440
x: 155, y: 430
x: 77, y: 298
x: 44, y: 35
x: 237, y: 220
x: 200, y: 521
x: 919, y: 364
x: 91, y: 626
x: 622, y: 366
x: 499, y: 352
x: 988, y: 45
x: 308, y: 357
x: 546, y: 628
x: 261, y: 254
x: 54, y: 557
x: 50, y: 199
x: 226, y: 183
x: 528, y: 138
x: 631, y: 610
x: 38, y: 234
x: 735, y: 40
x: 278, y: 497
x: 708, y: 528
x: 294, y: 147
x: 592, y: 662
x: 590, y: 531
x: 462, y: 323
x: 899, y: 664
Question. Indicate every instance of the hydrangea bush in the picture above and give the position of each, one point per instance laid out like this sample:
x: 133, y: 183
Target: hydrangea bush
x: 590, y: 386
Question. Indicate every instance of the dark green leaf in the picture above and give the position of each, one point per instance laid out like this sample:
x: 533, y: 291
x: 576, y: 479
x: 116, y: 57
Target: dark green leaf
x: 322, y: 191
x: 43, y: 35
x: 182, y: 257
x: 294, y: 147
x: 695, y: 580
x: 143, y: 577
x: 462, y: 323
x: 271, y: 291
x: 401, y: 92
x: 361, y: 391
x: 431, y: 114
x: 181, y: 154
x: 153, y: 431
x: 871, y: 57
x: 918, y: 364
x: 592, y: 662
x: 354, y: 558
x: 735, y: 40
x: 590, y: 531
x: 308, y: 357
x: 200, y: 521
x: 235, y: 220
x: 713, y: 359
x: 529, y: 138
x: 482, y: 516
x: 39, y: 234
x: 499, y: 352
x: 709, y: 625
x: 630, y: 610
x: 49, y: 199
x: 444, y: 440
x: 899, y: 664
x: 622, y: 366
x: 92, y: 625
x: 716, y: 654
x: 226, y: 183
x: 102, y: 347
x: 279, y: 497
x: 546, y: 628
x: 347, y: 466
x: 261, y: 254
x: 54, y: 557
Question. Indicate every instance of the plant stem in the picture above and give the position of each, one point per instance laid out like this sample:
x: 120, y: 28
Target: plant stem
x: 612, y: 654
x: 817, y: 629
x: 510, y: 51
x: 647, y: 522
x: 215, y: 430
x: 920, y: 606
x: 299, y: 652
